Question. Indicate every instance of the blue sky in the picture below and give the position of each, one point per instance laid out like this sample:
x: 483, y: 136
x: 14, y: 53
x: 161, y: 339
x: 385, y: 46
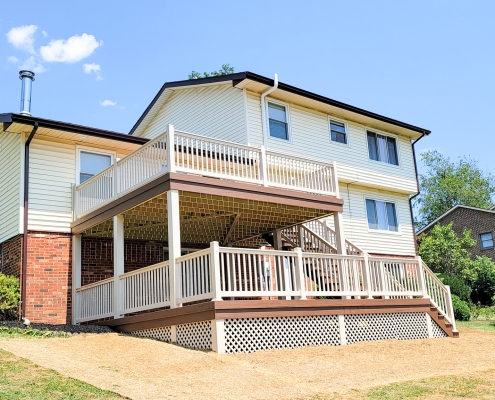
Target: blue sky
x: 427, y: 63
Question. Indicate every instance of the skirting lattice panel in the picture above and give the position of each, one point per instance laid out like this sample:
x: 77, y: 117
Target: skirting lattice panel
x: 371, y: 327
x: 253, y: 334
x: 196, y: 335
x: 436, y: 330
x: 163, y: 334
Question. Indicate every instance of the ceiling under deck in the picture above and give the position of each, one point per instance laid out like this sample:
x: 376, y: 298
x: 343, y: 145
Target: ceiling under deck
x: 206, y: 218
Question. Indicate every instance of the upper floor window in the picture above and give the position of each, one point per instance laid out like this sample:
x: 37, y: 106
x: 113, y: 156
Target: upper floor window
x: 382, y: 148
x: 92, y: 163
x: 381, y: 215
x: 486, y: 240
x: 277, y: 116
x: 337, y: 132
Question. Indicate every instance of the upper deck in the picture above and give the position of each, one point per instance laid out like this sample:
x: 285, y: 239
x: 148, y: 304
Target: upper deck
x: 182, y: 152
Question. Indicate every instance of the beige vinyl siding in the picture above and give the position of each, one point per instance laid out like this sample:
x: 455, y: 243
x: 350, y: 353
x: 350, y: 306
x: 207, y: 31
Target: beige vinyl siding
x: 376, y: 241
x: 215, y: 111
x: 310, y: 136
x: 52, y: 172
x: 10, y: 183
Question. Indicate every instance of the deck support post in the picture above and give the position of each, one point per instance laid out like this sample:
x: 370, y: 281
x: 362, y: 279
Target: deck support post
x: 301, y: 277
x: 76, y: 275
x: 218, y: 336
x: 118, y: 264
x: 343, y: 338
x: 340, y: 244
x: 215, y: 271
x: 339, y: 230
x: 421, y: 279
x: 429, y: 325
x: 366, y: 276
x: 171, y: 148
x: 263, y: 166
x: 174, y: 248
x: 173, y: 334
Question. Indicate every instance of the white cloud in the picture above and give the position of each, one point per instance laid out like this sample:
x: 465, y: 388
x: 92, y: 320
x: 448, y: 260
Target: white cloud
x: 22, y: 37
x: 45, y: 34
x: 31, y: 64
x: 13, y: 59
x: 106, y: 103
x: 72, y: 50
x: 93, y: 67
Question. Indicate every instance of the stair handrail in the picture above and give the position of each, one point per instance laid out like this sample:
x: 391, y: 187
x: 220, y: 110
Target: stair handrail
x: 447, y: 308
x: 324, y: 241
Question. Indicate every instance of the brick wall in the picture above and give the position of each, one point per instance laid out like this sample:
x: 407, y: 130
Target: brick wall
x: 11, y: 256
x: 477, y: 221
x: 48, y: 278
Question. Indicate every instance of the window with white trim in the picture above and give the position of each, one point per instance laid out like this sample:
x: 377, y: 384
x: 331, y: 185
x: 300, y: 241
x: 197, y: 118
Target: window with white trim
x: 338, y: 132
x: 382, y: 148
x: 278, y: 121
x: 382, y: 215
x: 486, y: 240
x: 92, y: 163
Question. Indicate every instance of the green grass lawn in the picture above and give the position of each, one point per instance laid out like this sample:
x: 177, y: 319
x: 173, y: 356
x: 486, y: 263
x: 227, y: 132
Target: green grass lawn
x: 474, y: 386
x: 21, y: 379
x: 488, y: 326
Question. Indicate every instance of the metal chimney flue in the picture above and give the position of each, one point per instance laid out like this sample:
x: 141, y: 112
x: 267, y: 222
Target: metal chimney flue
x: 27, y: 78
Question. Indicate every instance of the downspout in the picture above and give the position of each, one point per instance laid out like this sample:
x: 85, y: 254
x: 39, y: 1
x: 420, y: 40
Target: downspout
x: 263, y: 110
x: 25, y: 219
x: 419, y: 191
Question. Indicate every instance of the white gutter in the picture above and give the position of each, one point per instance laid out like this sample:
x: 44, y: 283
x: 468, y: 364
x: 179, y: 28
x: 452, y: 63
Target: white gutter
x: 263, y: 111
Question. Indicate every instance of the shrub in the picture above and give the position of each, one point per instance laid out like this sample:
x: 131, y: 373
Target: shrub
x: 461, y: 309
x: 9, y: 296
x: 483, y: 281
x: 458, y: 287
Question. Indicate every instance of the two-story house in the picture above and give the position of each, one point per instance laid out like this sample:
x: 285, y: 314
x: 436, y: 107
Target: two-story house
x: 237, y: 205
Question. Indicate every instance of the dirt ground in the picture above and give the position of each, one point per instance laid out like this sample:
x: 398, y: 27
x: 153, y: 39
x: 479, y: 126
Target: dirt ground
x: 148, y: 369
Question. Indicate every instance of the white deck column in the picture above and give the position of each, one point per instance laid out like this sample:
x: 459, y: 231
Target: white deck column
x: 218, y: 335
x: 339, y: 230
x: 118, y: 263
x: 174, y: 249
x: 76, y: 274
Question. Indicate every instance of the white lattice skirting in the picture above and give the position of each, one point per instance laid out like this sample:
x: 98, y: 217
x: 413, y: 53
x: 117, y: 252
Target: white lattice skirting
x: 246, y: 335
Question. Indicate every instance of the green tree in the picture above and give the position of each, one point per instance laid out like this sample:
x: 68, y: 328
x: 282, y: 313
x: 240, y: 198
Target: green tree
x: 448, y: 183
x: 445, y: 252
x: 483, y: 281
x: 225, y: 70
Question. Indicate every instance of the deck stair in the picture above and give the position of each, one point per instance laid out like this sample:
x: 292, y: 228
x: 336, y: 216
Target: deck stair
x: 317, y: 237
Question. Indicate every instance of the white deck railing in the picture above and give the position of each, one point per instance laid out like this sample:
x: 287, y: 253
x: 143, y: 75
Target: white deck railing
x: 176, y: 151
x: 145, y: 288
x: 194, y: 276
x: 95, y: 301
x: 226, y: 273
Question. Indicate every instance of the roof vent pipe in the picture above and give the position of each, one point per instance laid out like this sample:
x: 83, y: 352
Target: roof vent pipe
x: 27, y: 78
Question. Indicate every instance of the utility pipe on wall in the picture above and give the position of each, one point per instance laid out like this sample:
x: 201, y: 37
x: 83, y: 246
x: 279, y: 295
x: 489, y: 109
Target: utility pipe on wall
x: 263, y: 111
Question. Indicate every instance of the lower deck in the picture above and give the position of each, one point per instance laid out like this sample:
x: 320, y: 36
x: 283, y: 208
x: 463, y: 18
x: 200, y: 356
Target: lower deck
x: 233, y: 326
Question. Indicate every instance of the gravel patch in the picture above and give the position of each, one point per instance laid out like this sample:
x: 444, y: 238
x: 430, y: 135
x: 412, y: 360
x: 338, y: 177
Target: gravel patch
x: 144, y: 369
x: 72, y: 329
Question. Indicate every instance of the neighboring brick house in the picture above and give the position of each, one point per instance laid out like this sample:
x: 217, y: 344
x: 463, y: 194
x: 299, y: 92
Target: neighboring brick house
x: 479, y: 221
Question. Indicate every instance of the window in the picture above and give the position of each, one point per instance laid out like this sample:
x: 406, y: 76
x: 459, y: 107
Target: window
x: 337, y: 132
x: 486, y: 240
x: 92, y: 163
x: 277, y: 116
x: 381, y: 215
x: 382, y: 148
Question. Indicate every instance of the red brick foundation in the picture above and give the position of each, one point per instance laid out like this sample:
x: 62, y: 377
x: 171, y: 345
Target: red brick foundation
x: 11, y: 256
x: 48, y: 278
